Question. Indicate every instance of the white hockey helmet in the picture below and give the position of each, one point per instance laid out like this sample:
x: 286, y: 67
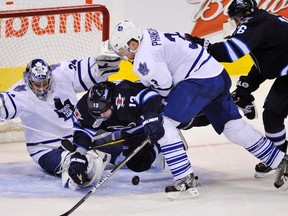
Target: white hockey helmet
x: 38, y: 77
x: 96, y: 166
x: 123, y: 33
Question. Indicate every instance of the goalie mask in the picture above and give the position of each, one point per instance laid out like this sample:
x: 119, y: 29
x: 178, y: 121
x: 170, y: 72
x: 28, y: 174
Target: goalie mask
x: 38, y: 77
x: 239, y: 9
x: 125, y: 32
x: 100, y: 98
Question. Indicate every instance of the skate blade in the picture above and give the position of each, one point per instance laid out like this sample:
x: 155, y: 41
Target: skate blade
x: 264, y: 175
x: 180, y: 195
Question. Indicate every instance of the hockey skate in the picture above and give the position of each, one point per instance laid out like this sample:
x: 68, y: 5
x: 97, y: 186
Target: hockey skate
x: 261, y: 171
x: 183, y: 188
x: 281, y: 180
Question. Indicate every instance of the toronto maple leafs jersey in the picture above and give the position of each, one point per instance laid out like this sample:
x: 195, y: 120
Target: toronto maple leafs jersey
x: 130, y: 101
x: 53, y: 118
x: 265, y: 37
x: 164, y: 59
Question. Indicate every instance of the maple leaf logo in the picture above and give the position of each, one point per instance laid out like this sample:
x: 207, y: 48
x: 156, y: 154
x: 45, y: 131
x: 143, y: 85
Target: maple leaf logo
x: 143, y: 69
x: 64, y: 110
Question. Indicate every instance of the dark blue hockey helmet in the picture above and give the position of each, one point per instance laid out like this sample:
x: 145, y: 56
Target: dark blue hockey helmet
x: 239, y: 9
x: 100, y: 98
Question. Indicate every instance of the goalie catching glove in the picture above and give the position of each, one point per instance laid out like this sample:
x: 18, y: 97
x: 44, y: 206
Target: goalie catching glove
x: 153, y: 126
x: 107, y: 60
x: 243, y: 97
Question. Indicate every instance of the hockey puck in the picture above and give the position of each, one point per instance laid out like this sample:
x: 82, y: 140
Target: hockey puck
x: 135, y: 180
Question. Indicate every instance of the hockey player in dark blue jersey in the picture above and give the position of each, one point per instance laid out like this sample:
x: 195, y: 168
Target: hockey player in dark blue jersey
x: 265, y: 37
x: 127, y: 109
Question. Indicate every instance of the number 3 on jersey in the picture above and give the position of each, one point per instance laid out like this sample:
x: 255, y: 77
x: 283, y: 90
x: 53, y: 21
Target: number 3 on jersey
x: 172, y: 37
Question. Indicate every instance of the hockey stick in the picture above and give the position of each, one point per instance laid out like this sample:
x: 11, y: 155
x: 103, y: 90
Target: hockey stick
x: 31, y: 128
x: 67, y: 144
x: 185, y: 144
x: 103, y: 180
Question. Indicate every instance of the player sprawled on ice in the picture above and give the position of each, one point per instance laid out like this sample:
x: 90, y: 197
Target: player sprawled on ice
x: 265, y: 37
x: 125, y: 110
x: 45, y: 100
x: 191, y: 81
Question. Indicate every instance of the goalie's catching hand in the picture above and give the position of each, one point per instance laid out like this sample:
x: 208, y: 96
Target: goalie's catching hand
x: 107, y: 60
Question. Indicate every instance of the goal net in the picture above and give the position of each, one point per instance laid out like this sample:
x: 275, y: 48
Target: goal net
x: 53, y: 34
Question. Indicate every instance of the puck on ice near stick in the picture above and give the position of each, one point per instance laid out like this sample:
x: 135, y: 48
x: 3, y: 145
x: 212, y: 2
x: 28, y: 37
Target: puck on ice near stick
x: 135, y: 180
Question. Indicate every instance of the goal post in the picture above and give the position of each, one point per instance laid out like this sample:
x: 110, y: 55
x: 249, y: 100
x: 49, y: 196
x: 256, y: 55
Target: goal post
x: 54, y: 34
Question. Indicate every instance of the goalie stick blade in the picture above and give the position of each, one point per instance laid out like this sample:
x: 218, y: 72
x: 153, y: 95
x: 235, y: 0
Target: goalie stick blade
x: 67, y: 145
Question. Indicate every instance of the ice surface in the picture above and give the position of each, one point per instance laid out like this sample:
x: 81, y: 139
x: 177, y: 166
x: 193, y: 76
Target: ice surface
x: 226, y: 184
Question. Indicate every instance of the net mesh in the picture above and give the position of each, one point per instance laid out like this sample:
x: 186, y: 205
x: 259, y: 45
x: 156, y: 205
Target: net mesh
x: 53, y: 34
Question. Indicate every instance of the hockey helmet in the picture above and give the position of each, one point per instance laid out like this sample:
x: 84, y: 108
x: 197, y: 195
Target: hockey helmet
x: 123, y: 33
x: 38, y: 77
x: 239, y: 9
x: 100, y: 98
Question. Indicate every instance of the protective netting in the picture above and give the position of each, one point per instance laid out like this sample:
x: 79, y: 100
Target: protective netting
x: 53, y: 34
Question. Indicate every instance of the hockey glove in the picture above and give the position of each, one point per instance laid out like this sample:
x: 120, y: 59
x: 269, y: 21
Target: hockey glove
x: 201, y: 41
x: 198, y: 121
x: 153, y: 127
x: 78, y: 168
x: 107, y: 60
x: 243, y: 98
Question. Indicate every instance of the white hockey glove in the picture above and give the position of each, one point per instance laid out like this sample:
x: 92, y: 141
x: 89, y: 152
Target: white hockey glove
x: 107, y: 61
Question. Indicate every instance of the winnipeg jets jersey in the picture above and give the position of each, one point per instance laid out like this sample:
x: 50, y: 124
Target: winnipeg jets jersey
x: 53, y: 118
x: 265, y: 37
x: 130, y: 101
x: 164, y: 59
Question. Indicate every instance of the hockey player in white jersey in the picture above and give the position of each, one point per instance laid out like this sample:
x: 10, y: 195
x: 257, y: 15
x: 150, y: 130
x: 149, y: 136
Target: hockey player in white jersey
x: 191, y: 81
x: 45, y: 99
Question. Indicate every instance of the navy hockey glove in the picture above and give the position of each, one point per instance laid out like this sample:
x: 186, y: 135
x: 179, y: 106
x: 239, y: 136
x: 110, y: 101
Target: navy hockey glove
x: 201, y: 41
x: 153, y: 127
x: 199, y: 120
x: 78, y: 168
x: 243, y: 98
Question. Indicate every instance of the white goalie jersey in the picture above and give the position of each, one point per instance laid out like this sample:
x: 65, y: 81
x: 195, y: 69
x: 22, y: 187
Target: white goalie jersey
x: 45, y: 122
